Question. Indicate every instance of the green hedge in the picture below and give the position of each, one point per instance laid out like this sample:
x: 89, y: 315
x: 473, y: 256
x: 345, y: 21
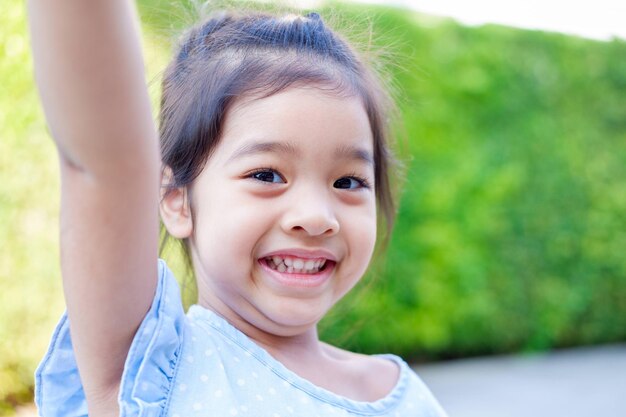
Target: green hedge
x: 511, y: 229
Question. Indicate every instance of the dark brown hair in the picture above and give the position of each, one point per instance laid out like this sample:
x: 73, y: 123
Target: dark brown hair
x: 231, y: 56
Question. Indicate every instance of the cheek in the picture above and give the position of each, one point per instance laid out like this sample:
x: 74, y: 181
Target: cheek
x: 361, y: 235
x: 367, y: 241
x: 361, y: 230
x: 228, y: 231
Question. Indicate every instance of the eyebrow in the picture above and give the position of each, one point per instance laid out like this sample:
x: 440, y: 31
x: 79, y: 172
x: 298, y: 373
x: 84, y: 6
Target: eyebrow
x: 355, y: 153
x: 263, y: 147
x: 343, y: 152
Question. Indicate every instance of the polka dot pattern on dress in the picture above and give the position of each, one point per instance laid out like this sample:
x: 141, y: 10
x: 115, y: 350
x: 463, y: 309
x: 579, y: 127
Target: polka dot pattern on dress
x: 219, y: 371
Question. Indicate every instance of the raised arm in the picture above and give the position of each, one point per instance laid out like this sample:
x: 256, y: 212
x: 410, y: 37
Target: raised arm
x: 90, y: 74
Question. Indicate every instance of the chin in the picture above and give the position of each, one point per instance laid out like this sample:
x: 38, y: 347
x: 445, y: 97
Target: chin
x: 292, y: 317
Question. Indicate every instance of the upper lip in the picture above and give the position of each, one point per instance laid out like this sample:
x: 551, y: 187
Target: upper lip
x: 303, y: 253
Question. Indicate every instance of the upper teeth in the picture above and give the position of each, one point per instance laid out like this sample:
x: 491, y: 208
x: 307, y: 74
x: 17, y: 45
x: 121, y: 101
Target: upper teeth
x: 293, y: 264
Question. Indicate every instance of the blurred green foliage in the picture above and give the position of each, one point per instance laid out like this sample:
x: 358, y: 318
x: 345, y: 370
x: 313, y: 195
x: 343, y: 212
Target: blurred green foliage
x: 511, y: 229
x: 29, y: 279
x: 511, y: 232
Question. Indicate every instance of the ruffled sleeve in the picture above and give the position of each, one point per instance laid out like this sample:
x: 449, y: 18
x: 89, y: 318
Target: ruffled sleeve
x: 149, y: 370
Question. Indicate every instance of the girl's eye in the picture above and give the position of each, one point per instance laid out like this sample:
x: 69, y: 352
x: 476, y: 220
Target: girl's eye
x: 350, y: 183
x: 267, y: 175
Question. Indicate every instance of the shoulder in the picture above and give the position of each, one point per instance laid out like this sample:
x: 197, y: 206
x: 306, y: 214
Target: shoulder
x: 149, y: 366
x: 378, y: 375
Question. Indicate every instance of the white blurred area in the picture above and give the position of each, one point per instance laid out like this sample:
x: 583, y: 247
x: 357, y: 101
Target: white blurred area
x: 597, y: 19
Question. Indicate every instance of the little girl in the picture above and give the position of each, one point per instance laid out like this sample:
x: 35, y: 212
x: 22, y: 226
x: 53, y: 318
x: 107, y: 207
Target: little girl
x: 274, y: 163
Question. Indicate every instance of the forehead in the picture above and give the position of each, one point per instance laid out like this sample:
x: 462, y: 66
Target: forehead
x: 304, y: 120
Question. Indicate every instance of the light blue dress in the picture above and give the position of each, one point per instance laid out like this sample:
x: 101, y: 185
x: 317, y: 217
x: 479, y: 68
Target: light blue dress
x: 197, y: 364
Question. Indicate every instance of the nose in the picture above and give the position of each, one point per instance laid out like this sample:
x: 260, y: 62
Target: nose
x: 313, y: 215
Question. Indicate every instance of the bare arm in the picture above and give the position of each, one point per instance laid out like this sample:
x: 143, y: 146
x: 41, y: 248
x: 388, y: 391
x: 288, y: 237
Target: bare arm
x: 90, y: 75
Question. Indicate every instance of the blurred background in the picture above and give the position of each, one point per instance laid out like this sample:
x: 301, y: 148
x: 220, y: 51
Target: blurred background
x: 511, y: 230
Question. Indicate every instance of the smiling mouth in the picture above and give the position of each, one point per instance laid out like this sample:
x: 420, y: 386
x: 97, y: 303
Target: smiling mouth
x: 294, y: 265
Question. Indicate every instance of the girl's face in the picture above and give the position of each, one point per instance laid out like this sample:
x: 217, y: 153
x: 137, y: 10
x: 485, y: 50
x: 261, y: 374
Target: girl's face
x: 284, y: 210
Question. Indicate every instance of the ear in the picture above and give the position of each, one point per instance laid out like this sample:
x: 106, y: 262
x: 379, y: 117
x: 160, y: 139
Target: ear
x: 174, y: 208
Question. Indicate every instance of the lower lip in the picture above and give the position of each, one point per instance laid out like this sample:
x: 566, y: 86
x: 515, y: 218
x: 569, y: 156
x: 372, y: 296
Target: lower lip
x: 300, y: 280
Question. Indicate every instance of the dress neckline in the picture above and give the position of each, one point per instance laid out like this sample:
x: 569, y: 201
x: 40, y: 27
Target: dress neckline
x: 198, y: 313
